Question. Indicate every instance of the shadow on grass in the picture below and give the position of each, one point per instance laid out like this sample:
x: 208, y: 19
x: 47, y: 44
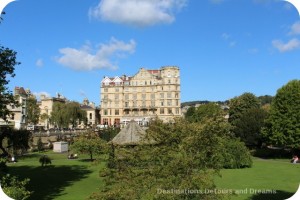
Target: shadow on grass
x: 279, y: 195
x: 48, y: 182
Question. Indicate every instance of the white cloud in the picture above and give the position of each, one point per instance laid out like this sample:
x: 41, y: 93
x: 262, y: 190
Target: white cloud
x: 39, y: 94
x: 284, y: 47
x: 295, y: 29
x: 104, y: 56
x: 138, y: 13
x: 39, y: 62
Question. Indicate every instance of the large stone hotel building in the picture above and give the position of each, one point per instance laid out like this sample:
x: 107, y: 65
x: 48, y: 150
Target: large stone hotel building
x: 148, y: 94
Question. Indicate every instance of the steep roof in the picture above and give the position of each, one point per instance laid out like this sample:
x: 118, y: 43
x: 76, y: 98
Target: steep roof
x: 132, y: 134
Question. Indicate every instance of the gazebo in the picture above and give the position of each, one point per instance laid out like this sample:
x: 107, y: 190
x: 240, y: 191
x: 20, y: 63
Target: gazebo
x: 130, y: 135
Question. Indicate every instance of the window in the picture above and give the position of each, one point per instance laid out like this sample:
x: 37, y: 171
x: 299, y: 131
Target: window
x: 117, y: 89
x: 105, y: 112
x: 126, y: 96
x: 169, y: 95
x: 134, y: 96
x: 169, y: 110
x: 152, y: 96
x: 161, y: 95
x: 117, y: 112
x: 162, y: 103
x: 116, y: 96
x: 126, y: 104
x: 143, y: 96
x: 153, y: 103
x: 169, y: 103
x: 162, y: 111
x: 91, y: 116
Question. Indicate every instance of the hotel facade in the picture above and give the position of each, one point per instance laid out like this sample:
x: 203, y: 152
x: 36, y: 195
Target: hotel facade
x: 146, y: 95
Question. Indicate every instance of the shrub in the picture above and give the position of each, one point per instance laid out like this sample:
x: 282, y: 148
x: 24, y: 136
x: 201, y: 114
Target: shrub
x: 15, y: 188
x: 235, y: 154
x: 44, y: 160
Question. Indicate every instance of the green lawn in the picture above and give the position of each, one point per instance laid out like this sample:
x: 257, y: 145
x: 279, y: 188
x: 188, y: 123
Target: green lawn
x: 279, y: 178
x: 64, y: 180
x: 77, y: 179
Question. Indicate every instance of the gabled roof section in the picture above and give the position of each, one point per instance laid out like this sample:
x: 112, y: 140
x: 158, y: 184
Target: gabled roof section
x: 142, y: 73
x: 117, y: 80
x: 106, y: 80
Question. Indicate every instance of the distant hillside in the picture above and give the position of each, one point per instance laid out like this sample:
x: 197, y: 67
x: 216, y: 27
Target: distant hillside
x: 265, y: 99
x: 193, y: 103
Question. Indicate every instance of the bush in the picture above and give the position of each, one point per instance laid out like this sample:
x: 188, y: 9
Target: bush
x: 15, y: 188
x: 235, y: 154
x: 44, y: 160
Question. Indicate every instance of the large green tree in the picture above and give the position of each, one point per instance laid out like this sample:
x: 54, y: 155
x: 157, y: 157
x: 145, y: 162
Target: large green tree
x: 64, y: 114
x: 89, y: 143
x: 283, y: 124
x: 247, y: 118
x: 33, y: 111
x: 7, y: 66
x: 203, y: 112
x: 179, y: 156
x: 241, y: 104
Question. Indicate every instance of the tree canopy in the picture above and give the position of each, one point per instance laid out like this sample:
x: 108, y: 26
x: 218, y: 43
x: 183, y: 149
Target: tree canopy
x: 33, y: 111
x: 283, y: 123
x: 64, y: 114
x: 7, y: 62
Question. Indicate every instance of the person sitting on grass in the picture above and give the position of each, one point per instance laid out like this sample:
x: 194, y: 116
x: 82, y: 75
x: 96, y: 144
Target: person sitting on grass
x: 295, y: 159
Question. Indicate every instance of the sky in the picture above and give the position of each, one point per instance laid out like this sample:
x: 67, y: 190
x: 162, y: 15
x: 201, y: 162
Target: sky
x: 222, y: 47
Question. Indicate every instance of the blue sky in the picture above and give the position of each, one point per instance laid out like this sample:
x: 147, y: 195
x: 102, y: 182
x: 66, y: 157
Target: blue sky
x: 223, y: 47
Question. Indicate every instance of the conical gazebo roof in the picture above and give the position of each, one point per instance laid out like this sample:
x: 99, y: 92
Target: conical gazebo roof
x: 132, y: 134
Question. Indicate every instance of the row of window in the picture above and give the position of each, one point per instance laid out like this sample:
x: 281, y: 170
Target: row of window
x: 143, y: 89
x: 144, y: 112
x: 152, y: 96
x: 134, y: 103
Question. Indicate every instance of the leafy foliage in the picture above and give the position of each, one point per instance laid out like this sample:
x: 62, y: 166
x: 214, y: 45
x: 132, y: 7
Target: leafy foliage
x: 185, y: 156
x: 17, y: 140
x: 15, y: 188
x: 7, y: 63
x: 239, y: 105
x: 248, y: 127
x: 33, y: 111
x: 283, y: 124
x: 247, y: 118
x: 203, y: 112
x: 90, y: 144
x: 64, y: 114
x: 45, y: 160
x: 235, y: 154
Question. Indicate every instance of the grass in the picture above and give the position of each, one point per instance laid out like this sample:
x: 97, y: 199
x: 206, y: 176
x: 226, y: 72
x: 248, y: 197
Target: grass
x: 65, y: 179
x: 278, y: 178
x: 77, y: 179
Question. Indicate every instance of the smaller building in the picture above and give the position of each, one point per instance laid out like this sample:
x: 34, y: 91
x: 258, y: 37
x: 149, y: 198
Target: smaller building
x: 92, y: 112
x: 60, y: 147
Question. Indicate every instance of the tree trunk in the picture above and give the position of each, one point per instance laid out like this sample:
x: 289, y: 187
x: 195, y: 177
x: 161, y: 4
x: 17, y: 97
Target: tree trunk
x: 91, y: 154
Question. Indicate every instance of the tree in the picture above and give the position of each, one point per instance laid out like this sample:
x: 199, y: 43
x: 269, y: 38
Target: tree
x: 249, y: 126
x: 7, y: 63
x: 33, y: 111
x: 16, y: 140
x: 204, y: 112
x: 89, y: 144
x: 283, y: 123
x: 64, y: 114
x: 239, y: 105
x: 184, y: 156
x: 74, y: 113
